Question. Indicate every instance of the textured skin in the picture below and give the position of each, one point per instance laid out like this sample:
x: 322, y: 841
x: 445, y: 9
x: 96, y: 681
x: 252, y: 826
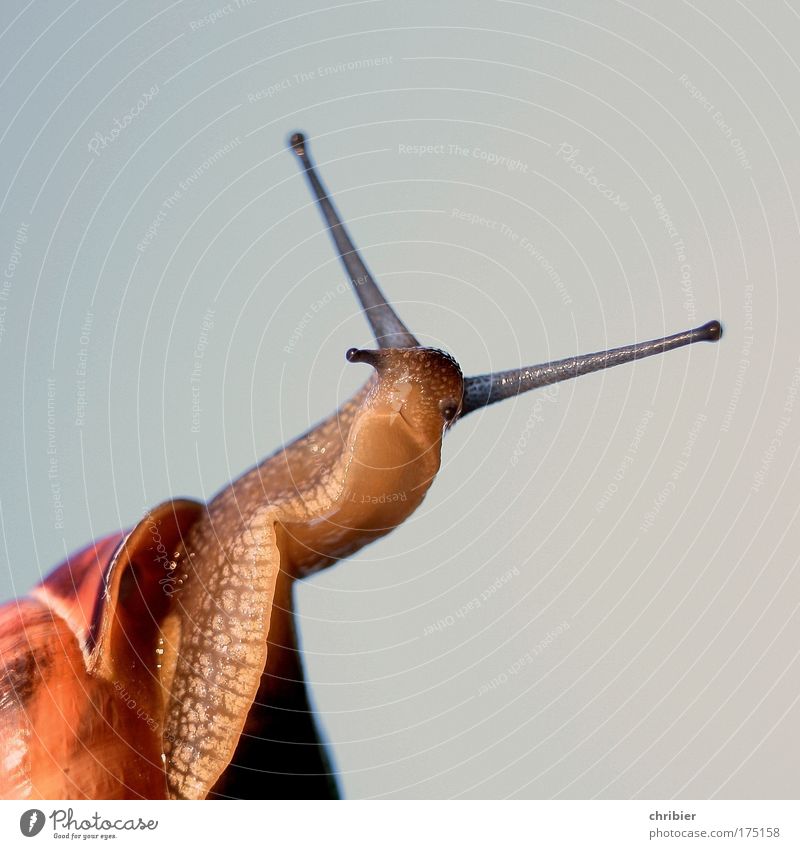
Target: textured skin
x: 327, y: 492
x: 279, y: 754
x: 177, y: 618
x: 224, y: 610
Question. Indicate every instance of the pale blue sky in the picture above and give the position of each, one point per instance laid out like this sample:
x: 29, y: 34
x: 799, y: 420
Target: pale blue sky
x: 527, y: 182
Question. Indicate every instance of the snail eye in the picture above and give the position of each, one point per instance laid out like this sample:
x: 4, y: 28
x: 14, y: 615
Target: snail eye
x: 448, y: 410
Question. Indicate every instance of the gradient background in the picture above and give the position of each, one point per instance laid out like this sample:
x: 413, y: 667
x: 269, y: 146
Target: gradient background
x: 631, y: 537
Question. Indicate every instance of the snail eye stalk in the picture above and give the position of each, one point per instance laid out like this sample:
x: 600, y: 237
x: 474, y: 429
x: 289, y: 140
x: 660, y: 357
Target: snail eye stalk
x: 388, y: 329
x: 485, y: 389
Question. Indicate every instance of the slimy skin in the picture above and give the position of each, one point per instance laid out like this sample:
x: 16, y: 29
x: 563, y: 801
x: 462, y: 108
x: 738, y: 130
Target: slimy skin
x: 344, y: 484
x: 223, y: 658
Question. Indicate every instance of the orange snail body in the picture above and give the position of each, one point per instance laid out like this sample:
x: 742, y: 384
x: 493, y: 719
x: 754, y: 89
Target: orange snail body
x: 163, y: 662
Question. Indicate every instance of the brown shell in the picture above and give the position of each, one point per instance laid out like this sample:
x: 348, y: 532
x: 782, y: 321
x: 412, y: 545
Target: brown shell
x: 81, y: 704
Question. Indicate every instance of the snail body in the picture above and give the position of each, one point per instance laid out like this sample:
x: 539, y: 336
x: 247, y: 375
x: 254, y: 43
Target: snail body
x: 163, y: 662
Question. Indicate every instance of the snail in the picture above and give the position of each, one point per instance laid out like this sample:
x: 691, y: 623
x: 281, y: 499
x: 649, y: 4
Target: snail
x: 162, y: 662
